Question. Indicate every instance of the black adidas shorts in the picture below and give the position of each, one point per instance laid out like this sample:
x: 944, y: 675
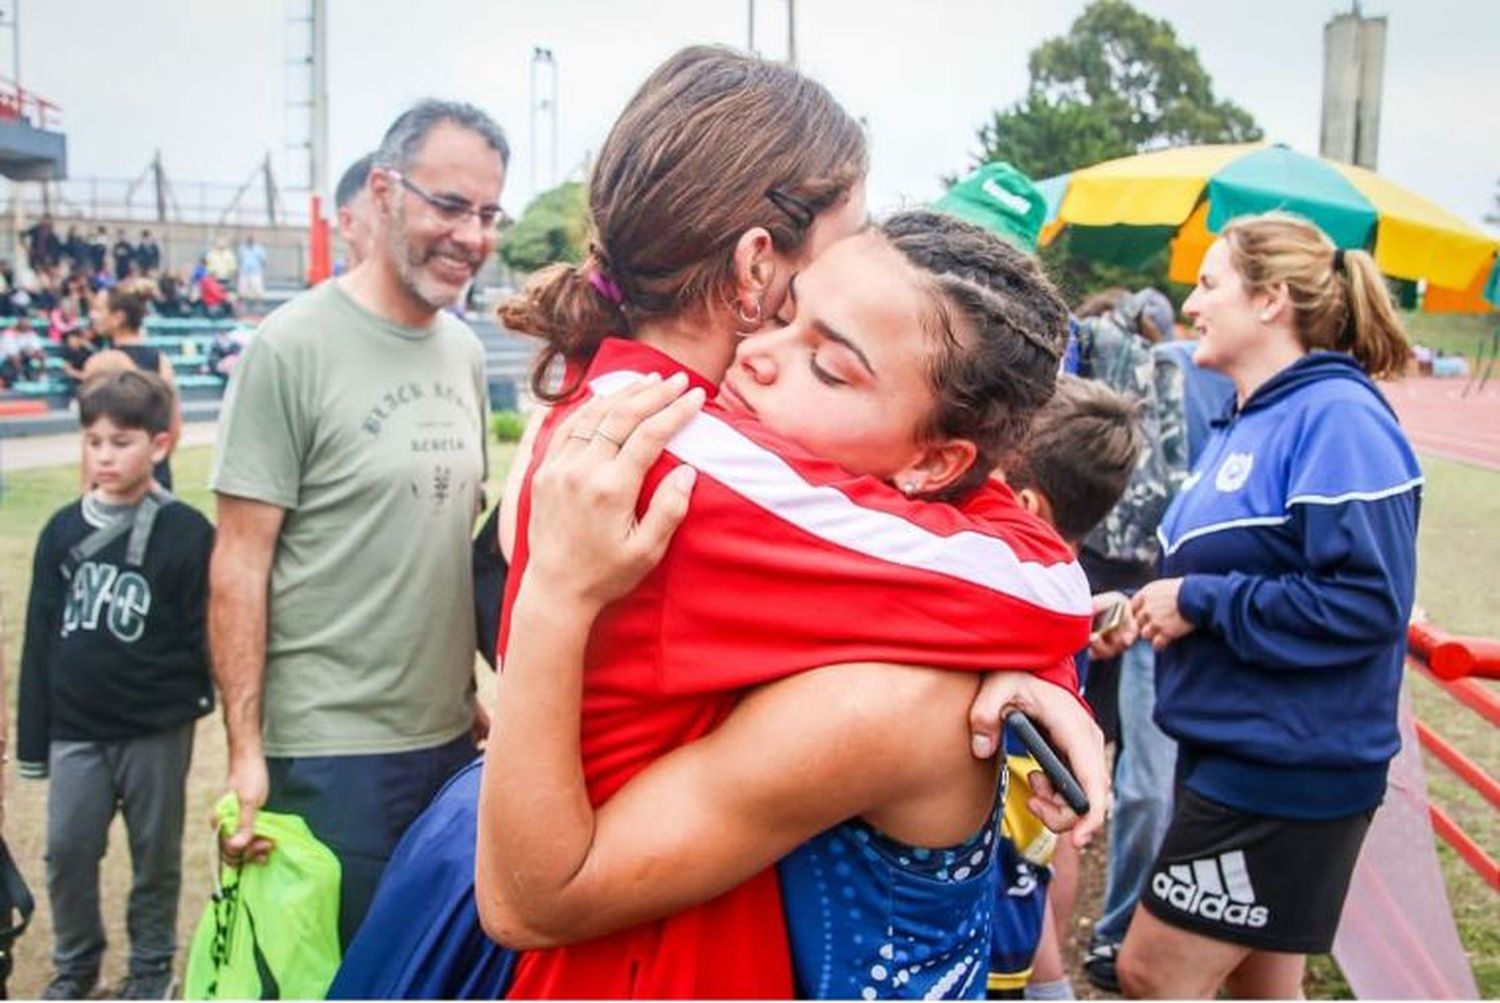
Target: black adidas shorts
x: 1273, y: 884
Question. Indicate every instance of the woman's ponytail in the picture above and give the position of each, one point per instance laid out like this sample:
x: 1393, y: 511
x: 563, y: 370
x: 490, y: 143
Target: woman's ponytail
x: 1373, y: 334
x: 571, y: 309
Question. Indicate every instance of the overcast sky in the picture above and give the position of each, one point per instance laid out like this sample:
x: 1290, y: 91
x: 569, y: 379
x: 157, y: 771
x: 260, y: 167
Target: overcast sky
x: 208, y: 83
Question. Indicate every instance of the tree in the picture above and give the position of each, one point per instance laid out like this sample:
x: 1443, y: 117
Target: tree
x: 1119, y: 82
x: 1148, y: 85
x: 554, y: 227
x: 1044, y: 137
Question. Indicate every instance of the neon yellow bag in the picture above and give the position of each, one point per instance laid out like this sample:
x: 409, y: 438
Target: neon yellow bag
x: 271, y: 930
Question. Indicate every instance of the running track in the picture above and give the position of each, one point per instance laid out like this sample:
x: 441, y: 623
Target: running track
x: 1442, y: 422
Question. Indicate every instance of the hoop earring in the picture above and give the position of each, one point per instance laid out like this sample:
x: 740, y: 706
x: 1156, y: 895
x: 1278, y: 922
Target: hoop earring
x: 749, y: 321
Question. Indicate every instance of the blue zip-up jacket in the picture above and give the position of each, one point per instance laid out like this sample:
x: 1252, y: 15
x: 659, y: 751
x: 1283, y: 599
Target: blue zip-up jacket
x: 1295, y: 537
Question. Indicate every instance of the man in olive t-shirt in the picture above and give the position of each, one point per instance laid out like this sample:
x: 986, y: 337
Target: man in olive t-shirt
x: 348, y: 472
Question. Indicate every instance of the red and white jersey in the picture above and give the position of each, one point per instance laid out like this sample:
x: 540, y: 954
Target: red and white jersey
x: 785, y: 562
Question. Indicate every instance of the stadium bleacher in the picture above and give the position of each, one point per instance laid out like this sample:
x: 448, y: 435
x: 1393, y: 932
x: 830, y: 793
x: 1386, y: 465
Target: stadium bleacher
x: 40, y: 407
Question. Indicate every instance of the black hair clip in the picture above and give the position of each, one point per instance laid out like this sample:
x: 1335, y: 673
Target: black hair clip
x: 796, y: 208
x: 1338, y: 259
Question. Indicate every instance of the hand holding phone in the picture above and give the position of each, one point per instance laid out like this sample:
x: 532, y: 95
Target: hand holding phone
x: 1113, y: 627
x: 1062, y: 778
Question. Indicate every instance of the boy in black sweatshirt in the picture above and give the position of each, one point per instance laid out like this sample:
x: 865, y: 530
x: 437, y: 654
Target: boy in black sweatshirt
x: 114, y: 673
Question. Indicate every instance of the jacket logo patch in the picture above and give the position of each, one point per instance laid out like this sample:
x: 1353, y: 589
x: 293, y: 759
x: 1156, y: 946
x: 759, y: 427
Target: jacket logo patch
x: 1234, y: 471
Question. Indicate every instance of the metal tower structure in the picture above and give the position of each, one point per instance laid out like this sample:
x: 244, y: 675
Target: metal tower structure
x: 307, y: 92
x: 544, y: 106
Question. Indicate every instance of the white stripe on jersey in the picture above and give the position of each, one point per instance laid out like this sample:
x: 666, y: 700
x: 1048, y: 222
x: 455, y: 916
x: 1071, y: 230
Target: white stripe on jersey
x: 717, y: 449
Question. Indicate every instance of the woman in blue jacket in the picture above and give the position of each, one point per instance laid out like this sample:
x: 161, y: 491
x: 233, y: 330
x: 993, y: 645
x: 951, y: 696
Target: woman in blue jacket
x: 1288, y: 570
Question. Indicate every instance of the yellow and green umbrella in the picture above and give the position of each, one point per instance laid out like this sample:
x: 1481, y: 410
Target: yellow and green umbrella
x: 1126, y: 210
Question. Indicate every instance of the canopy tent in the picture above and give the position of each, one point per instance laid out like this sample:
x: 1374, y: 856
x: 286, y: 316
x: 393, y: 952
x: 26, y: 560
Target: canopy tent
x: 1125, y: 210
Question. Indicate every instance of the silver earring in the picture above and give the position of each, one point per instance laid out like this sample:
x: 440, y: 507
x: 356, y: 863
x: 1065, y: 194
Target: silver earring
x: 744, y: 317
x: 908, y: 488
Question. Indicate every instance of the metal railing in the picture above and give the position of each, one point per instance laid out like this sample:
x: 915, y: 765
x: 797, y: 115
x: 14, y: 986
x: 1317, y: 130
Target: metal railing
x: 1455, y: 664
x: 137, y: 201
x: 17, y: 104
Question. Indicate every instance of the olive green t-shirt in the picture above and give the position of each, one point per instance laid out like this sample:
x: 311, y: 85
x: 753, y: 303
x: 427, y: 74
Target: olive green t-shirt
x: 370, y: 436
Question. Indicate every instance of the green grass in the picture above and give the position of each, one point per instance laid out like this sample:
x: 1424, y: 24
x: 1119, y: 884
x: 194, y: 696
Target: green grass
x: 1453, y: 333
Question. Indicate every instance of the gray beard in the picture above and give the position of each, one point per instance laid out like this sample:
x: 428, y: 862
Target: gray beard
x: 409, y: 269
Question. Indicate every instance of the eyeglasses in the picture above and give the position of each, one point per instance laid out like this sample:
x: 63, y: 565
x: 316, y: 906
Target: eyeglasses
x: 449, y: 209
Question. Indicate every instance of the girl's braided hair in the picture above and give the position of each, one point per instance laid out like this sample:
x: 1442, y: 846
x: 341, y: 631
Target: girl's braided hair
x: 1001, y: 328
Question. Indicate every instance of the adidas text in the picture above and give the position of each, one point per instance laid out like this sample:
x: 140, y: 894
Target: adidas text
x: 1198, y: 902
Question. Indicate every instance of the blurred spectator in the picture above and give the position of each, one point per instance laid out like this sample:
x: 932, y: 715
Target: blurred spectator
x: 1206, y: 393
x: 77, y: 347
x: 124, y: 255
x: 223, y: 352
x: 211, y: 300
x: 98, y: 250
x: 353, y: 206
x: 252, y: 273
x: 42, y: 246
x: 1101, y: 303
x: 48, y: 291
x: 76, y: 250
x: 221, y: 262
x: 33, y: 350
x: 76, y: 294
x: 20, y: 297
x: 25, y: 358
x: 62, y: 319
x: 169, y: 296
x: 148, y: 253
x: 1120, y: 555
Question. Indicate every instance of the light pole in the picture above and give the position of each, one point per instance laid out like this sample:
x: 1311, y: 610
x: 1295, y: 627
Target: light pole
x: 791, y: 30
x: 791, y: 33
x: 542, y: 55
x: 10, y: 17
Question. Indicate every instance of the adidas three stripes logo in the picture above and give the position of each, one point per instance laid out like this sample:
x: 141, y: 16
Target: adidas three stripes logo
x: 1216, y: 888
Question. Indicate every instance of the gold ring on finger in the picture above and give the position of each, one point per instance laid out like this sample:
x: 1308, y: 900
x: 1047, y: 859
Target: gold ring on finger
x: 609, y: 438
x: 581, y: 436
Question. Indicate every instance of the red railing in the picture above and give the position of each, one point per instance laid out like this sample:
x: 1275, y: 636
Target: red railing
x: 1453, y: 663
x: 18, y: 104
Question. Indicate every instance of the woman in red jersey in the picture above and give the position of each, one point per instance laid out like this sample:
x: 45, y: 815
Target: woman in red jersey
x: 905, y: 353
x: 685, y: 268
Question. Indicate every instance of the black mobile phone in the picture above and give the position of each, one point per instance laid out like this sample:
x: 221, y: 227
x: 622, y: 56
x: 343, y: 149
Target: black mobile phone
x: 1062, y: 778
